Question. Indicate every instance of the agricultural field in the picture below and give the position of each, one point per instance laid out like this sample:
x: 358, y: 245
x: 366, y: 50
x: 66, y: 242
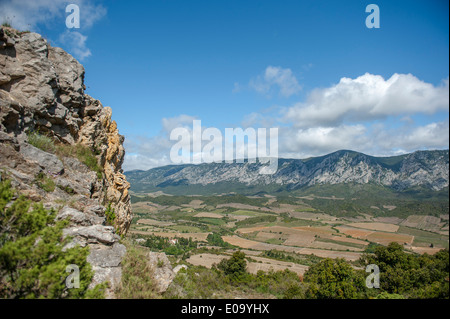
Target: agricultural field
x: 267, y: 227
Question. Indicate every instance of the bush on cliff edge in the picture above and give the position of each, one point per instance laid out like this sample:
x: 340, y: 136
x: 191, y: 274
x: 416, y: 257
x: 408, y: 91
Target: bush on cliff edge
x: 32, y: 260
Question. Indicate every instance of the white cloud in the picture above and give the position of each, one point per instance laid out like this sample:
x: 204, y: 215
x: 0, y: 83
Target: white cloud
x: 377, y: 139
x: 343, y: 116
x: 366, y: 98
x: 142, y: 162
x: 301, y: 143
x: 256, y: 119
x: 76, y: 44
x: 182, y: 120
x: 276, y: 76
x: 146, y: 152
x: 408, y: 138
x: 28, y: 14
x: 307, y: 66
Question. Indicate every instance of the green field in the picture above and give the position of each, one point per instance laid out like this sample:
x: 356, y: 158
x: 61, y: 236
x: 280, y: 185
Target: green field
x: 422, y: 237
x: 186, y: 229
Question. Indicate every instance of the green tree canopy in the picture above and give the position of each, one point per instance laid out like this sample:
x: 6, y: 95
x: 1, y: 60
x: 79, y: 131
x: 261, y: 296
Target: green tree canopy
x: 235, y: 267
x: 409, y: 274
x: 333, y: 279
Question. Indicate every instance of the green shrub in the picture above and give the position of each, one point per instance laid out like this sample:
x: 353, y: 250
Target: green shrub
x: 180, y: 248
x: 69, y: 190
x: 294, y: 291
x: 110, y: 215
x: 32, y: 261
x: 160, y: 263
x: 45, y: 182
x: 198, y: 282
x: 216, y: 240
x: 201, y: 282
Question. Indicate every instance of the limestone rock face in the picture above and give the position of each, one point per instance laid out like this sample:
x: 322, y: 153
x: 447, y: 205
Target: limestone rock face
x: 117, y: 192
x: 42, y: 90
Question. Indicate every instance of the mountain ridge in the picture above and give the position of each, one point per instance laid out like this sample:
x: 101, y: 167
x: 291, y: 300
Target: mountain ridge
x: 428, y: 169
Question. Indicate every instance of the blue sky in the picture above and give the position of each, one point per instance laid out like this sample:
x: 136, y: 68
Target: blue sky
x: 312, y: 68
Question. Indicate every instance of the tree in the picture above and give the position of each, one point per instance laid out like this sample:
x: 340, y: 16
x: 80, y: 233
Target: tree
x: 333, y: 279
x: 33, y: 260
x: 412, y: 275
x: 235, y: 267
x: 216, y: 240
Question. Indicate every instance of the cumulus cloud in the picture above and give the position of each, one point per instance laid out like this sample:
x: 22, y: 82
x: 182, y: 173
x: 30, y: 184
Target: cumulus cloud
x: 409, y: 138
x: 284, y: 79
x: 368, y: 97
x: 376, y: 139
x: 321, y: 140
x: 359, y: 113
x: 145, y: 153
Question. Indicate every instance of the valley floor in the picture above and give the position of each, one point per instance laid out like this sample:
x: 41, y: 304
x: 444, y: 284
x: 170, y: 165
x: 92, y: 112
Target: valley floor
x: 276, y: 233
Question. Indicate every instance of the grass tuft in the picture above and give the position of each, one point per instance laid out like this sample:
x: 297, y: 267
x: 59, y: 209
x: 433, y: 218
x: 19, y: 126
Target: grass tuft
x: 137, y: 276
x: 42, y: 142
x: 45, y: 182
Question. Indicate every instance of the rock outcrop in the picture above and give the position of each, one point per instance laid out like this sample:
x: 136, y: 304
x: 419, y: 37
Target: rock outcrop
x: 42, y: 90
x: 163, y: 274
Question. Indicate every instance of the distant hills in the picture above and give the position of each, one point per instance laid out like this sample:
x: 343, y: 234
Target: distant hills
x: 427, y: 170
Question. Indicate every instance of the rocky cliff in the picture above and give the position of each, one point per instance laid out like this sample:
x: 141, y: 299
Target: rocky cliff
x: 78, y: 172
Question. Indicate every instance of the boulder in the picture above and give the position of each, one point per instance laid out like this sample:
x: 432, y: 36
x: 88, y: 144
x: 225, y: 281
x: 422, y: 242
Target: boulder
x: 49, y: 162
x: 107, y: 256
x: 95, y: 234
x: 163, y: 273
x: 79, y: 218
x: 75, y: 216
